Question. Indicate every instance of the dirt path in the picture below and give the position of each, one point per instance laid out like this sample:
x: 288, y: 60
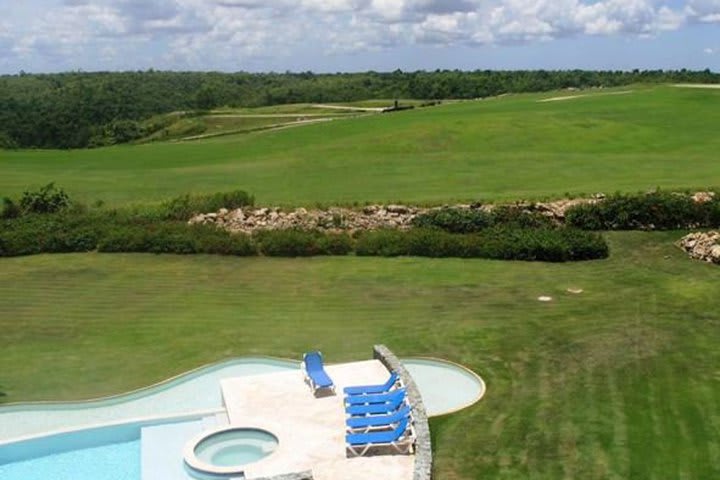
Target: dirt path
x: 270, y: 115
x: 357, y: 109
x: 572, y: 97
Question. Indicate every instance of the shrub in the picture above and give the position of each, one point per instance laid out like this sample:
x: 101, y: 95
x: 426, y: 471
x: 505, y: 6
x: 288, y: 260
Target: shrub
x: 381, y: 243
x: 185, y: 206
x: 502, y: 243
x: 239, y: 245
x: 9, y: 209
x: 512, y: 216
x: 124, y: 239
x: 301, y: 243
x: 335, y: 244
x: 462, y: 220
x: 455, y: 220
x: 48, y: 199
x: 653, y: 211
x: 33, y: 234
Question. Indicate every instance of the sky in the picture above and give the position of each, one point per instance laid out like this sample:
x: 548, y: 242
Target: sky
x: 357, y: 35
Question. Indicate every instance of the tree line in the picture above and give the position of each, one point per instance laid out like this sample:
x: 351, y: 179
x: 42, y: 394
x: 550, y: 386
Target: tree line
x: 78, y: 109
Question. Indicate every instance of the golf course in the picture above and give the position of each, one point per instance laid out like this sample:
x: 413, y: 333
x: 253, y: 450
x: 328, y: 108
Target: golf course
x: 616, y: 377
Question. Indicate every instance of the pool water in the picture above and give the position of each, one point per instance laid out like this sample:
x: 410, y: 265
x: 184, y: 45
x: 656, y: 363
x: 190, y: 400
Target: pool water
x: 236, y: 447
x: 117, y: 461
x: 445, y: 387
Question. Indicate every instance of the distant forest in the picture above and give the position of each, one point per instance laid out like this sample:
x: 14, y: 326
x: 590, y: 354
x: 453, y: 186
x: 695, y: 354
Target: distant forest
x: 79, y: 110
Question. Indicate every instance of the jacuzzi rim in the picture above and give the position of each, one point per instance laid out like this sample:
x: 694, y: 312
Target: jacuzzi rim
x: 192, y: 460
x: 468, y: 370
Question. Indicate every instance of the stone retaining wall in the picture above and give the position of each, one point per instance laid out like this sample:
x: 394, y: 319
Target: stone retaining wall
x: 423, y: 446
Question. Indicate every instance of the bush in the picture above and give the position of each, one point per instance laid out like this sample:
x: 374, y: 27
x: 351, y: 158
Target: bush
x: 455, y: 220
x: 48, y: 199
x: 463, y: 220
x: 185, y: 206
x: 335, y: 244
x: 653, y: 211
x: 511, y: 216
x: 9, y: 209
x: 501, y: 243
x: 33, y: 234
x: 301, y: 243
x: 381, y: 243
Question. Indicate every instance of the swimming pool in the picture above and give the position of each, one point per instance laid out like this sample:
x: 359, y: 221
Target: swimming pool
x: 112, y: 451
x: 196, y: 391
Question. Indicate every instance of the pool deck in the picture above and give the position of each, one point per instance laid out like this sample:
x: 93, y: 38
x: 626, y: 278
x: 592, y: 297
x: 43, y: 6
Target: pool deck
x: 310, y: 430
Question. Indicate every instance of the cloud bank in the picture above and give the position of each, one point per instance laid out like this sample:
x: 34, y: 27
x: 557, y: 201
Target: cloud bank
x: 204, y: 33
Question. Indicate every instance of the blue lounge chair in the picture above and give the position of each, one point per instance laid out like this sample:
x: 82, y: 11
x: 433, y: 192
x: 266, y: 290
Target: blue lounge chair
x: 366, y: 399
x: 377, y: 422
x: 315, y: 374
x: 399, y: 439
x: 395, y: 401
x: 372, y: 389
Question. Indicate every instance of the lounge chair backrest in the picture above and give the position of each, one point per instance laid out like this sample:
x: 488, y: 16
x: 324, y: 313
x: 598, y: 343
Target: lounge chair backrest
x: 313, y: 361
x: 397, y: 396
x: 391, y: 381
x: 401, y: 428
x: 400, y: 414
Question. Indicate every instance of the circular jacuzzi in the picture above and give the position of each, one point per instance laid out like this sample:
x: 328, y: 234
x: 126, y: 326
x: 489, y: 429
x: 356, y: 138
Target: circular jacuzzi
x: 229, y: 450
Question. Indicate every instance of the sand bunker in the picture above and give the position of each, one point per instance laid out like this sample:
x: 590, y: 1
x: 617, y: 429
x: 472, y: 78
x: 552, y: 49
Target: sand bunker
x: 698, y: 85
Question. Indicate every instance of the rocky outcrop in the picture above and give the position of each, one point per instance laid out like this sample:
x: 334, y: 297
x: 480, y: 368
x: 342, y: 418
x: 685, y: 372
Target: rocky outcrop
x: 702, y: 246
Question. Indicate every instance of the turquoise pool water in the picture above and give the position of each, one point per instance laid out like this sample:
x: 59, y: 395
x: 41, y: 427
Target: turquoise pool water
x: 117, y: 461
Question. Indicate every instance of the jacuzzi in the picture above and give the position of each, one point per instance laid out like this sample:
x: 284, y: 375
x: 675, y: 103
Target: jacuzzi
x: 227, y: 451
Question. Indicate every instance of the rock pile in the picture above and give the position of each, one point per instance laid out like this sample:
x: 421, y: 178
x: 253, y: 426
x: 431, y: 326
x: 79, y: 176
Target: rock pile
x: 702, y: 246
x: 336, y: 219
x: 371, y: 217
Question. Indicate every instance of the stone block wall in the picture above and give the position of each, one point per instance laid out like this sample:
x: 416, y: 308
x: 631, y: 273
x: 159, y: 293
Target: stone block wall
x: 423, y: 446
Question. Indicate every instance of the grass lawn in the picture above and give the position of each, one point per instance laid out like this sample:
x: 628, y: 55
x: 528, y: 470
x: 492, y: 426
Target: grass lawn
x: 504, y: 148
x: 621, y: 381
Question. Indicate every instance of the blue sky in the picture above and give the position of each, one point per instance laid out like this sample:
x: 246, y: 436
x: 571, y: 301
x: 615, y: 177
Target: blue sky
x: 357, y: 35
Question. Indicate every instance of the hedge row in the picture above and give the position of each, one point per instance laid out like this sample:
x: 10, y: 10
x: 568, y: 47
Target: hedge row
x: 463, y: 220
x: 648, y: 211
x: 83, y: 232
x: 51, y: 199
x: 501, y: 243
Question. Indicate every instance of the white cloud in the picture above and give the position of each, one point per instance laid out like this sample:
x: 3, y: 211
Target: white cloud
x: 199, y: 32
x: 706, y: 11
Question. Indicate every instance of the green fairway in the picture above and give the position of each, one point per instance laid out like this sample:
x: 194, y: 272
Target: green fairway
x: 620, y: 381
x: 505, y: 148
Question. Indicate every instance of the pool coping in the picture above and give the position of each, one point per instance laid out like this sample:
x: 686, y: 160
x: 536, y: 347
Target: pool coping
x: 119, y: 396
